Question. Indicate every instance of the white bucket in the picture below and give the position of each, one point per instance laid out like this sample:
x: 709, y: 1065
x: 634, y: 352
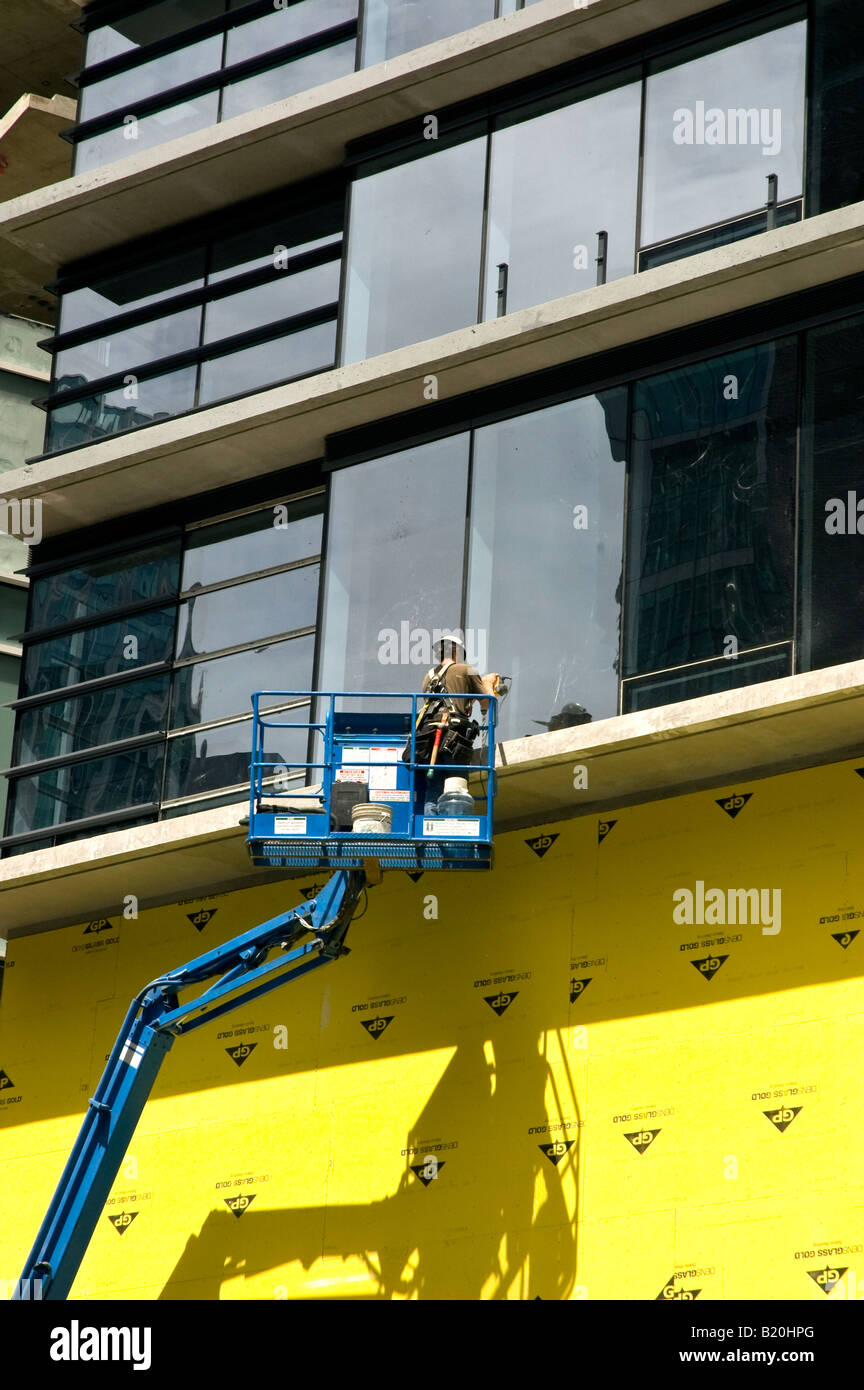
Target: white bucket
x: 455, y: 784
x: 371, y: 818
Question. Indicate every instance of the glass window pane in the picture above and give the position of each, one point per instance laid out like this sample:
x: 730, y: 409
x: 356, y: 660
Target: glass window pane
x: 261, y: 608
x: 279, y: 298
x: 132, y: 289
x: 691, y: 682
x: 99, y: 651
x: 836, y: 123
x: 83, y: 789
x: 544, y: 585
x: 279, y: 359
x: 119, y: 93
x: 715, y: 128
x: 413, y: 274
x: 131, y: 347
x: 391, y: 27
x: 277, y: 535
x: 711, y: 507
x: 220, y: 757
x: 558, y: 180
x: 831, y: 573
x: 285, y: 26
x: 720, y: 235
x: 300, y: 75
x: 123, y: 408
x: 99, y: 585
x: 100, y: 716
x: 395, y: 558
x: 268, y: 244
x: 216, y: 689
x: 146, y: 25
x: 133, y: 137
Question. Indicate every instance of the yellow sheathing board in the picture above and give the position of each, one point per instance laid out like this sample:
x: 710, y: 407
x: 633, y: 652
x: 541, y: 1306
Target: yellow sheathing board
x: 531, y: 1082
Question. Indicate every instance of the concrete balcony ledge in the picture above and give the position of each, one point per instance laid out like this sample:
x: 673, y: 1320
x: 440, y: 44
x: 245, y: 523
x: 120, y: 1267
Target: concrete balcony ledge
x: 724, y: 740
x: 270, y: 430
x: 306, y: 134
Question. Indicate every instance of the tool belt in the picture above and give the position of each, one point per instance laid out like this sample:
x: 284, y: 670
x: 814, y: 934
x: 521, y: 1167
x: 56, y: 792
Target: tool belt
x: 457, y: 739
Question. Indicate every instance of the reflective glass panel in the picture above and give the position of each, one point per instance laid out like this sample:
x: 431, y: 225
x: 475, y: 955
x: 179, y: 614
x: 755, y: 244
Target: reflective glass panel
x: 277, y: 535
x: 556, y: 181
x: 716, y: 126
x: 413, y: 273
x: 123, y: 408
x: 265, y: 364
x: 270, y: 243
x: 99, y: 716
x: 836, y: 125
x: 692, y: 682
x: 132, y: 289
x: 220, y: 757
x: 99, y: 651
x: 391, y: 27
x: 831, y: 601
x: 83, y: 789
x: 119, y: 93
x: 279, y: 298
x: 284, y: 26
x: 300, y: 75
x: 394, y: 571
x: 131, y: 347
x: 711, y: 508
x: 102, y: 584
x: 146, y: 25
x: 216, y: 689
x: 544, y: 579
x: 242, y: 612
x: 144, y: 132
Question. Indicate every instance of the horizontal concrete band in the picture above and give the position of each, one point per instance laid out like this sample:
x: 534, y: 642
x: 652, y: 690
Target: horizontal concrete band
x: 715, y: 741
x: 285, y: 425
x: 305, y: 135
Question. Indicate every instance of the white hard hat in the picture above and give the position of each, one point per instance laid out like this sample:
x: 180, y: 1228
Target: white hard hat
x: 452, y: 637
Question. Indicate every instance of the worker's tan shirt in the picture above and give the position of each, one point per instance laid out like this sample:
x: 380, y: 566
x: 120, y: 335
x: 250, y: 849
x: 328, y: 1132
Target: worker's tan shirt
x: 459, y: 679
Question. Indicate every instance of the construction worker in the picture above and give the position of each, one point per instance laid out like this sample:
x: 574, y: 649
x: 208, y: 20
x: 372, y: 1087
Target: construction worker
x: 445, y: 730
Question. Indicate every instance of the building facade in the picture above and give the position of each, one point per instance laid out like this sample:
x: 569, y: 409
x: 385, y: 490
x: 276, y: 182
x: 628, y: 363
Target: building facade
x: 545, y: 323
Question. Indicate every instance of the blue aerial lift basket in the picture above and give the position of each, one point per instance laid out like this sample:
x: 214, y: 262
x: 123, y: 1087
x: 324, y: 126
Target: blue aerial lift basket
x: 300, y: 806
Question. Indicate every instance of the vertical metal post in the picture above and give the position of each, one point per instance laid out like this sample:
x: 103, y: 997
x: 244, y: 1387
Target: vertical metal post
x: 771, y: 205
x: 503, y: 274
x: 602, y: 250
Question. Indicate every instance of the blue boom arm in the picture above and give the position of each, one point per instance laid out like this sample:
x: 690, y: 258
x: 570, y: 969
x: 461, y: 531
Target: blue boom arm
x: 154, y: 1019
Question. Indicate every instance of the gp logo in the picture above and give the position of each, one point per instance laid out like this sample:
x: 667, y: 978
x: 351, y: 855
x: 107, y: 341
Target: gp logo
x: 242, y: 1202
x: 500, y: 1003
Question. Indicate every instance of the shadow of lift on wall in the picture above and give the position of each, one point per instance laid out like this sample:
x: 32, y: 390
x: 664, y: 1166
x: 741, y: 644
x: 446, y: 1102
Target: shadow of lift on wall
x: 505, y: 1229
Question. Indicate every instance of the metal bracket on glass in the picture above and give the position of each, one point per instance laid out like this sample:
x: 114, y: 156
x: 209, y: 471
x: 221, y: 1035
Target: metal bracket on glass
x: 602, y: 249
x: 771, y: 205
x: 503, y: 275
